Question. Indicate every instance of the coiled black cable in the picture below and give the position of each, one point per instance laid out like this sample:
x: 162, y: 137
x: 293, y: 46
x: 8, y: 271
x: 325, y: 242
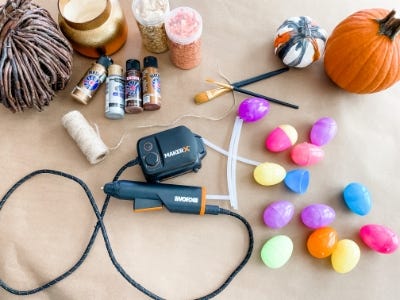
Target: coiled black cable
x: 100, y: 226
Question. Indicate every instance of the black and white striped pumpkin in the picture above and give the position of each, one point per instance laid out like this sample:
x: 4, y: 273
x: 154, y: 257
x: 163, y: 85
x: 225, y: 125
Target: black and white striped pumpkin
x: 299, y: 42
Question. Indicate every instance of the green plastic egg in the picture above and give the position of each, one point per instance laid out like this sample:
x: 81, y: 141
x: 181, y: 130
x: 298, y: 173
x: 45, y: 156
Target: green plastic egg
x: 277, y: 251
x: 345, y: 256
x: 269, y: 173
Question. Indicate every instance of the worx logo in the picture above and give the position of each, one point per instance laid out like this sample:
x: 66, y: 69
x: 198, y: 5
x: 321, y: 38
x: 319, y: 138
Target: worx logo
x: 186, y: 199
x: 184, y: 149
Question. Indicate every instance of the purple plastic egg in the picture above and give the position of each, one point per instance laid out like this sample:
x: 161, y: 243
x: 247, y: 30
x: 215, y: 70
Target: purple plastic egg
x: 379, y: 238
x: 323, y: 131
x: 253, y: 109
x: 317, y: 215
x: 278, y: 214
x: 306, y: 154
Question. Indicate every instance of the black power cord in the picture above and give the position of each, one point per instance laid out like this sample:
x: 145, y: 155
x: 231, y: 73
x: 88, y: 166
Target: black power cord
x: 100, y: 226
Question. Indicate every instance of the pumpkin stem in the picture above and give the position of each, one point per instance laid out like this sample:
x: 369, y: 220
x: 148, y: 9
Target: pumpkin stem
x: 389, y: 25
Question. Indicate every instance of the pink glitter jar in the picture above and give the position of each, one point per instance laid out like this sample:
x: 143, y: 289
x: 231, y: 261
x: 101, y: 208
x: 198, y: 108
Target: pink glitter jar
x: 184, y: 26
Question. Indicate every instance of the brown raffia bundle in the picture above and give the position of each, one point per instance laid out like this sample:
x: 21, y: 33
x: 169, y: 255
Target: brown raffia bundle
x: 35, y: 60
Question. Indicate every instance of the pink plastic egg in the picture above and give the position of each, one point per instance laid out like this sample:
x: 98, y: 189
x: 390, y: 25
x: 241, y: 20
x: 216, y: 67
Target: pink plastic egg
x: 306, y: 154
x: 253, y: 109
x: 379, y: 238
x: 278, y: 214
x: 323, y: 131
x: 281, y: 138
x: 317, y: 215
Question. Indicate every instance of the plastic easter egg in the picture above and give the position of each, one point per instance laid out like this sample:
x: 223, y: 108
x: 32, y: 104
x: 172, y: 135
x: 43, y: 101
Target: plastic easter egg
x: 317, y: 215
x: 306, y: 154
x: 345, y: 256
x: 379, y: 238
x: 299, y: 42
x: 357, y: 198
x: 277, y: 251
x: 322, y: 242
x: 297, y: 180
x: 281, y: 138
x: 323, y: 131
x: 278, y: 214
x: 269, y: 174
x: 253, y: 109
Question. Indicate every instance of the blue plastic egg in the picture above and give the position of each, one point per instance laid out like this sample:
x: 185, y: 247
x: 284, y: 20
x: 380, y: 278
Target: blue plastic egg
x: 357, y: 198
x: 253, y: 109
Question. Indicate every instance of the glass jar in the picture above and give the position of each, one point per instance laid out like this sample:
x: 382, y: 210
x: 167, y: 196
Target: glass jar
x: 150, y: 16
x: 94, y: 27
x: 184, y: 26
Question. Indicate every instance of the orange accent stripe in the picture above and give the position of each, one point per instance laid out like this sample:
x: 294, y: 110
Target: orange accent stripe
x: 148, y: 209
x: 203, y: 201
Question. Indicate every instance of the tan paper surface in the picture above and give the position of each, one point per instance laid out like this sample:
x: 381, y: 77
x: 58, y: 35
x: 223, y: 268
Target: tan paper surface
x: 46, y: 224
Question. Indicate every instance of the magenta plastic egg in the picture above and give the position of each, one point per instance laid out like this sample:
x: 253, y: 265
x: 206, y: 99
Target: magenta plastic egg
x: 253, y: 109
x: 269, y: 173
x: 323, y: 131
x: 281, y: 138
x: 379, y: 238
x: 317, y: 215
x: 278, y: 214
x: 306, y: 154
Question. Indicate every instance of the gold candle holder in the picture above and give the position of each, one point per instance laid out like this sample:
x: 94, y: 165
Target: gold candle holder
x: 94, y: 27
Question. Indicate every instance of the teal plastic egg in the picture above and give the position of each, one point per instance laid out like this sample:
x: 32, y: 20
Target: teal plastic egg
x: 277, y: 251
x: 345, y: 256
x: 357, y: 198
x: 269, y: 174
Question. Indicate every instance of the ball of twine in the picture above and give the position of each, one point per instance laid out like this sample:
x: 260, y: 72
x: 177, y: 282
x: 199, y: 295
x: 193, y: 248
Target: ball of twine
x: 35, y: 60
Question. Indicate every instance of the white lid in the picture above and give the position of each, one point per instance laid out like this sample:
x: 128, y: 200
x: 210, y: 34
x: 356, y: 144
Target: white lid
x: 150, y: 12
x: 183, y: 25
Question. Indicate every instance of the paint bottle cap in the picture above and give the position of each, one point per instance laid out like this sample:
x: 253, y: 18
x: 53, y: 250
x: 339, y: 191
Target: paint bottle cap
x: 150, y: 61
x: 105, y: 61
x: 133, y: 64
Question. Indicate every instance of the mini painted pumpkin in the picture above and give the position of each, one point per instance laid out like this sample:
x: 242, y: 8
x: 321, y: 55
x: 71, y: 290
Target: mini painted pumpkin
x: 363, y: 52
x: 299, y: 42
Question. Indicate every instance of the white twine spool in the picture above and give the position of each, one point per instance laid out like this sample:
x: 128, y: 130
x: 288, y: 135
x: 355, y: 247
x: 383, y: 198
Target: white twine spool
x: 85, y: 136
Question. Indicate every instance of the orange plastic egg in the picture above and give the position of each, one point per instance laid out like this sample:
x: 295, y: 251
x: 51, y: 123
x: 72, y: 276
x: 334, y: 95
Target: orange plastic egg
x: 322, y: 242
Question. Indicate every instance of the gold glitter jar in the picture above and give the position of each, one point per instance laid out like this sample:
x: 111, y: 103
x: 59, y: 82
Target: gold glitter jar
x: 150, y: 16
x: 94, y: 27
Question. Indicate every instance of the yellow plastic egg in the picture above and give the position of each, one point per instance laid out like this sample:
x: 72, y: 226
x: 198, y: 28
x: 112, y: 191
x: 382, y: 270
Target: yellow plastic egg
x: 345, y: 256
x: 269, y: 174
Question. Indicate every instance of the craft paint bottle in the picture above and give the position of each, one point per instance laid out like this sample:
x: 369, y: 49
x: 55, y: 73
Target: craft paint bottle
x: 92, y: 80
x: 151, y: 84
x: 184, y: 26
x: 133, y: 87
x: 115, y: 93
x: 150, y: 16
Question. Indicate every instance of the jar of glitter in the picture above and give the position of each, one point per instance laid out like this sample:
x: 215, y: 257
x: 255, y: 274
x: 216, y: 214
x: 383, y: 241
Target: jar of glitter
x: 184, y: 26
x: 150, y: 17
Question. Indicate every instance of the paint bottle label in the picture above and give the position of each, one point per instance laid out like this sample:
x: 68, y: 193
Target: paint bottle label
x: 115, y: 93
x: 133, y: 93
x: 151, y: 89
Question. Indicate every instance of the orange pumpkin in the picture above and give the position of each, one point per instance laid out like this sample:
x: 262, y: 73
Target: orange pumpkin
x: 362, y: 55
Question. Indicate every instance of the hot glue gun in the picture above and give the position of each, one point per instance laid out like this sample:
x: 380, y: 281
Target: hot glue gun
x: 155, y: 196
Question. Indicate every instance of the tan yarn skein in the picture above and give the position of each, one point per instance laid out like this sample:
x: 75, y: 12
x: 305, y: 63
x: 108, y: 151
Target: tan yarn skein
x: 85, y: 136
